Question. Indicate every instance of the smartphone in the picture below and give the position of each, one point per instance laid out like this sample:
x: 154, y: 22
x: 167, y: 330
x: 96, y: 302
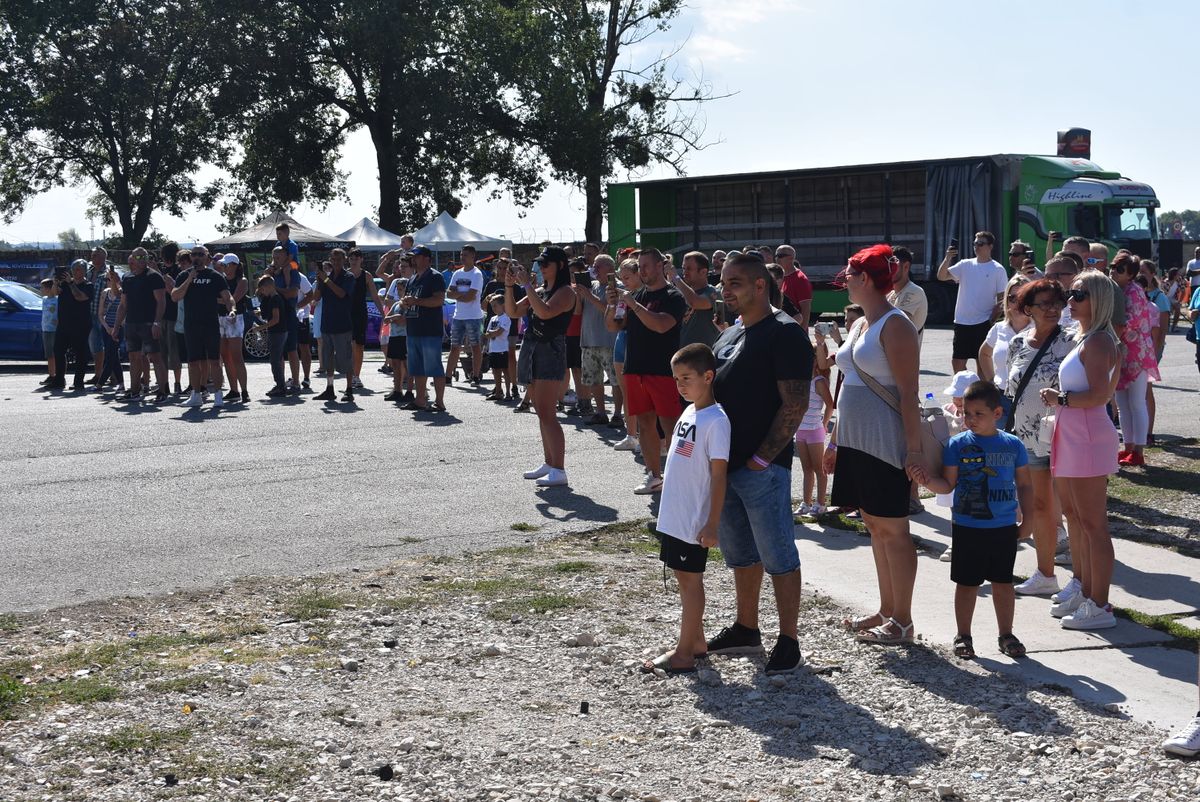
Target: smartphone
x: 954, y: 243
x: 583, y: 279
x: 824, y: 329
x: 1054, y: 235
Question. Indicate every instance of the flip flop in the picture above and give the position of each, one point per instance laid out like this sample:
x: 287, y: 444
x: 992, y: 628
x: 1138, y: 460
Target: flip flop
x: 663, y: 662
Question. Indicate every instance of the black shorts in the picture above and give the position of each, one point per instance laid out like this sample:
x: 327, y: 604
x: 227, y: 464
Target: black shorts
x: 679, y: 555
x: 574, y: 353
x: 867, y: 483
x: 969, y: 339
x: 304, y: 332
x: 181, y: 344
x: 397, y: 348
x: 203, y: 342
x: 498, y: 361
x: 982, y: 555
x: 358, y: 330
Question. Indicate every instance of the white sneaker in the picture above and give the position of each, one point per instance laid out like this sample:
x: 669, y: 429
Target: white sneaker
x: 1090, y: 616
x: 570, y: 398
x: 1072, y: 587
x: 630, y: 443
x: 946, y: 555
x: 1038, y: 585
x: 556, y: 478
x: 218, y: 399
x: 538, y: 473
x: 1186, y: 742
x: 194, y: 400
x: 803, y: 509
x: 818, y: 509
x: 1062, y: 548
x: 652, y: 484
x: 1068, y: 605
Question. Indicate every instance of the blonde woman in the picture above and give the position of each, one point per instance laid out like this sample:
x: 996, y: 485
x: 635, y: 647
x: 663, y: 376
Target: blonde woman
x: 1083, y: 452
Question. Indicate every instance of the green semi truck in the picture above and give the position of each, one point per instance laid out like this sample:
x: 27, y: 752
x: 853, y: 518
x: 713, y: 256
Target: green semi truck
x: 829, y: 213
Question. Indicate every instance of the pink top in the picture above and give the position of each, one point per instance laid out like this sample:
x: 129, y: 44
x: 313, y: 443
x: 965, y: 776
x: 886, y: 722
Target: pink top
x: 1141, y: 316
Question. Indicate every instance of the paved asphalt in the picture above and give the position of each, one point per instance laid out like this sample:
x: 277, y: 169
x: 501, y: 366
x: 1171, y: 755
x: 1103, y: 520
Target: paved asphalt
x: 103, y: 499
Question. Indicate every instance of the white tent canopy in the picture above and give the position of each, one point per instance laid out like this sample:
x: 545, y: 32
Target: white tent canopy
x: 368, y: 236
x: 447, y: 234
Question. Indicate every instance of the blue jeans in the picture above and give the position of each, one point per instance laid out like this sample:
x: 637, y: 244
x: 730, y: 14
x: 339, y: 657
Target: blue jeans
x: 466, y: 332
x: 425, y: 357
x: 275, y: 342
x: 756, y: 521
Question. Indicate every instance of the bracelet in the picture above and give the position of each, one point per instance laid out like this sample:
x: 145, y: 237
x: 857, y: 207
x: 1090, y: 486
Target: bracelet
x: 831, y: 446
x: 760, y: 462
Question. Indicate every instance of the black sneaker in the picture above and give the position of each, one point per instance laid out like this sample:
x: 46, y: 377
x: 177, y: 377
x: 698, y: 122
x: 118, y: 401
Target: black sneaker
x: 304, y: 384
x: 736, y: 639
x: 409, y: 397
x: 276, y: 392
x: 328, y: 395
x: 348, y: 397
x: 785, y: 657
x: 599, y: 419
x: 161, y: 397
x: 616, y: 422
x: 393, y: 396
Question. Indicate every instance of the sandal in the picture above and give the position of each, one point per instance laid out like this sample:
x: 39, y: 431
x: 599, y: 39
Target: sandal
x: 663, y: 663
x: 864, y: 623
x: 964, y: 647
x: 438, y: 406
x: 1010, y: 646
x: 886, y: 634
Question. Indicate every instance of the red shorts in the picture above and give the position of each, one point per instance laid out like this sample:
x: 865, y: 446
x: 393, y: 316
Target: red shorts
x: 655, y: 394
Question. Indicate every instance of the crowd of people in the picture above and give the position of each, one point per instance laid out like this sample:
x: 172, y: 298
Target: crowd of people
x: 1064, y: 354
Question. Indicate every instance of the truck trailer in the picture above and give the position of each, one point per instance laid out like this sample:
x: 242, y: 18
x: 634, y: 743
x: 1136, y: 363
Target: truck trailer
x: 829, y: 213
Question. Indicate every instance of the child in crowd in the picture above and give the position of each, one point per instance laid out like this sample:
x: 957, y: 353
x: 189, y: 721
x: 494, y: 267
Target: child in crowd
x: 397, y: 347
x: 497, y: 342
x: 49, y: 324
x: 987, y: 469
x: 810, y: 436
x: 272, y: 309
x: 954, y: 410
x: 693, y: 493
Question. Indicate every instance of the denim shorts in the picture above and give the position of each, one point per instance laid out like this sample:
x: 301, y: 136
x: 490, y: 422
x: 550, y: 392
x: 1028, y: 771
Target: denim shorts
x: 425, y: 357
x: 95, y: 337
x: 466, y: 332
x: 756, y: 521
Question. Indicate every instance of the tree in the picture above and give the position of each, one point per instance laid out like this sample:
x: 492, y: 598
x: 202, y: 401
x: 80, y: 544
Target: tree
x: 590, y: 101
x: 70, y: 240
x: 118, y: 96
x: 419, y: 76
x: 1191, y: 224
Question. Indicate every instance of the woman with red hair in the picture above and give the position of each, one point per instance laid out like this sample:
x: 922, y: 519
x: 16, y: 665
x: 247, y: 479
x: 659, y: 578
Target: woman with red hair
x: 876, y: 445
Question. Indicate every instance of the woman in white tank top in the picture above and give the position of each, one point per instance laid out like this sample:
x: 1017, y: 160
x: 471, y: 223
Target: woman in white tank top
x: 1083, y: 452
x: 874, y: 449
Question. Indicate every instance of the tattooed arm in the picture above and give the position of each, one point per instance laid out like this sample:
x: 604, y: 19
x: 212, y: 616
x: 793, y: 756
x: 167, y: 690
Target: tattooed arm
x: 794, y: 396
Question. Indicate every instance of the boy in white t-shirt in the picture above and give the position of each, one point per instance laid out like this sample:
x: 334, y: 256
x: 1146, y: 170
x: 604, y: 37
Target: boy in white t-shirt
x: 497, y: 346
x: 693, y: 492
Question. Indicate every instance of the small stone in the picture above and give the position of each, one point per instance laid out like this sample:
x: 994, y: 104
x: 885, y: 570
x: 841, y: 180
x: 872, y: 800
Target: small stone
x: 433, y: 746
x: 709, y: 678
x: 385, y: 772
x: 345, y: 762
x: 944, y: 791
x: 391, y: 643
x: 494, y: 649
x: 585, y: 639
x: 406, y: 745
x: 350, y: 665
x: 777, y: 682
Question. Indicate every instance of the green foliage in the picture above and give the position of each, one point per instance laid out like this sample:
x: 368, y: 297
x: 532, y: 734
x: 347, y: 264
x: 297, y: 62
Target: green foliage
x: 124, y: 97
x: 12, y: 693
x: 70, y: 239
x: 1191, y: 224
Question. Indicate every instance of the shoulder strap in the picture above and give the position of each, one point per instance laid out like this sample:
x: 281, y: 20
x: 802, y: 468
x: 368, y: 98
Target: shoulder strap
x: 1028, y: 376
x: 868, y: 379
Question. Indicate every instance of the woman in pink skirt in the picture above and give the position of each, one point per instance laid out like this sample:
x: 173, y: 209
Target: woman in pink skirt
x: 1083, y: 453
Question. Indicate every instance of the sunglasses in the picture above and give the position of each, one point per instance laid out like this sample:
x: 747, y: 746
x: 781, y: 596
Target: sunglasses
x: 1078, y: 295
x: 979, y: 242
x: 1092, y: 260
x: 1049, y: 306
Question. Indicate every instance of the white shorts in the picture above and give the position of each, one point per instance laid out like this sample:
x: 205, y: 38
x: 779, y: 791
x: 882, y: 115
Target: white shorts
x: 232, y: 327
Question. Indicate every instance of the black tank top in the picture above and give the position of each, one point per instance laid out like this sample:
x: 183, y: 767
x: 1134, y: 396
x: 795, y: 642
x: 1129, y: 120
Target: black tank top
x: 547, y: 329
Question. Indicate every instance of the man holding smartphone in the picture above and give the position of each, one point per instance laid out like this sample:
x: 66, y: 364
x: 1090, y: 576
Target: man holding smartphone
x: 981, y: 283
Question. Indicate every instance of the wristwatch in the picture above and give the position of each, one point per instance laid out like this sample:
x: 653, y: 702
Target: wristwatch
x: 1063, y: 398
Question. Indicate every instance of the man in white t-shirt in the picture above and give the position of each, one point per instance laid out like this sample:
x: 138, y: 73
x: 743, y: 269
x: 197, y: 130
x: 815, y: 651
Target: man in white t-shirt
x: 981, y: 283
x: 466, y: 327
x: 906, y: 296
x: 1193, y: 271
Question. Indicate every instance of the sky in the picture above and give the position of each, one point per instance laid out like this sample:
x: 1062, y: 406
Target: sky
x: 820, y: 84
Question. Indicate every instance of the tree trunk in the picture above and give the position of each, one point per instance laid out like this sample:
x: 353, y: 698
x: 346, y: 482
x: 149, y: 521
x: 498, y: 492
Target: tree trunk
x: 389, y: 180
x: 594, y: 213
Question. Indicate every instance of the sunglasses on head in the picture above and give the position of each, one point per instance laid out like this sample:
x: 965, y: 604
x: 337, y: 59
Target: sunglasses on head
x: 1078, y: 295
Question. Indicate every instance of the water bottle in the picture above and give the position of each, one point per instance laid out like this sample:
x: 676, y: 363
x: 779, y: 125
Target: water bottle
x: 931, y: 404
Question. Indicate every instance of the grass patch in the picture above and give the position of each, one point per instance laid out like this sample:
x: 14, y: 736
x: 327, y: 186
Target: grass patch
x: 313, y: 604
x: 140, y: 738
x: 81, y: 691
x: 399, y: 604
x: 9, y: 623
x: 1185, y: 637
x: 513, y: 551
x: 503, y: 586
x: 523, y: 527
x: 540, y: 604
x: 12, y: 693
x: 573, y: 567
x: 183, y: 684
x: 839, y: 521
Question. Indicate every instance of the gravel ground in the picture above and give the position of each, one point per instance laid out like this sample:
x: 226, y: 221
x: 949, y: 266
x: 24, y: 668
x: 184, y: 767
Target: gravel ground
x: 463, y: 678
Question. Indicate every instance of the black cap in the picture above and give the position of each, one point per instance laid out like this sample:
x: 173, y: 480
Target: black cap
x: 553, y: 253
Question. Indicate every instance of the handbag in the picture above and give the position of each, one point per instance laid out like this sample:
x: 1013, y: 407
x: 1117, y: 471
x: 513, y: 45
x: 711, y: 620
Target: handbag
x: 1025, y: 379
x: 934, y: 432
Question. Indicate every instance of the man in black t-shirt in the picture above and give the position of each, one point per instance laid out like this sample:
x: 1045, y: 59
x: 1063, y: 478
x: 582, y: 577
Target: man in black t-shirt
x: 336, y: 291
x: 75, y: 295
x: 143, y: 304
x: 764, y: 366
x: 423, y: 300
x: 205, y: 295
x: 652, y: 322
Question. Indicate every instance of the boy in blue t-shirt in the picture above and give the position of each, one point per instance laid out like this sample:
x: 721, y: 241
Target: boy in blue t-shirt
x: 988, y: 471
x: 49, y: 324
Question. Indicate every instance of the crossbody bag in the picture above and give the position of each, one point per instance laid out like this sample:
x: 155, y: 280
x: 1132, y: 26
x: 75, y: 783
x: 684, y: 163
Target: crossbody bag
x: 1027, y: 377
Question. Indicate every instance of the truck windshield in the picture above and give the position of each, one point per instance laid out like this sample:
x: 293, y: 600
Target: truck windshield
x: 1121, y: 223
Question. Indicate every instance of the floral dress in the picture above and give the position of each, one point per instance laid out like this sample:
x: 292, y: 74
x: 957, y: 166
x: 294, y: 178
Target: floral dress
x: 1029, y: 409
x: 1141, y: 315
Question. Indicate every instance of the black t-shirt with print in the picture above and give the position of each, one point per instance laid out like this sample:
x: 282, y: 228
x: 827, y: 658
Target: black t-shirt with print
x: 649, y: 353
x: 140, y: 305
x: 267, y: 305
x: 201, y: 303
x: 749, y: 363
x: 425, y: 321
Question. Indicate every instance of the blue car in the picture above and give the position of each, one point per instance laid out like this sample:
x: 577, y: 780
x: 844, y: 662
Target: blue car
x: 20, y: 322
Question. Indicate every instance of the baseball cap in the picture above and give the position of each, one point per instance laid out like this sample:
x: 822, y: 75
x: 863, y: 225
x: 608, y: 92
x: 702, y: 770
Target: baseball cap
x: 231, y: 259
x: 553, y: 253
x: 420, y: 250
